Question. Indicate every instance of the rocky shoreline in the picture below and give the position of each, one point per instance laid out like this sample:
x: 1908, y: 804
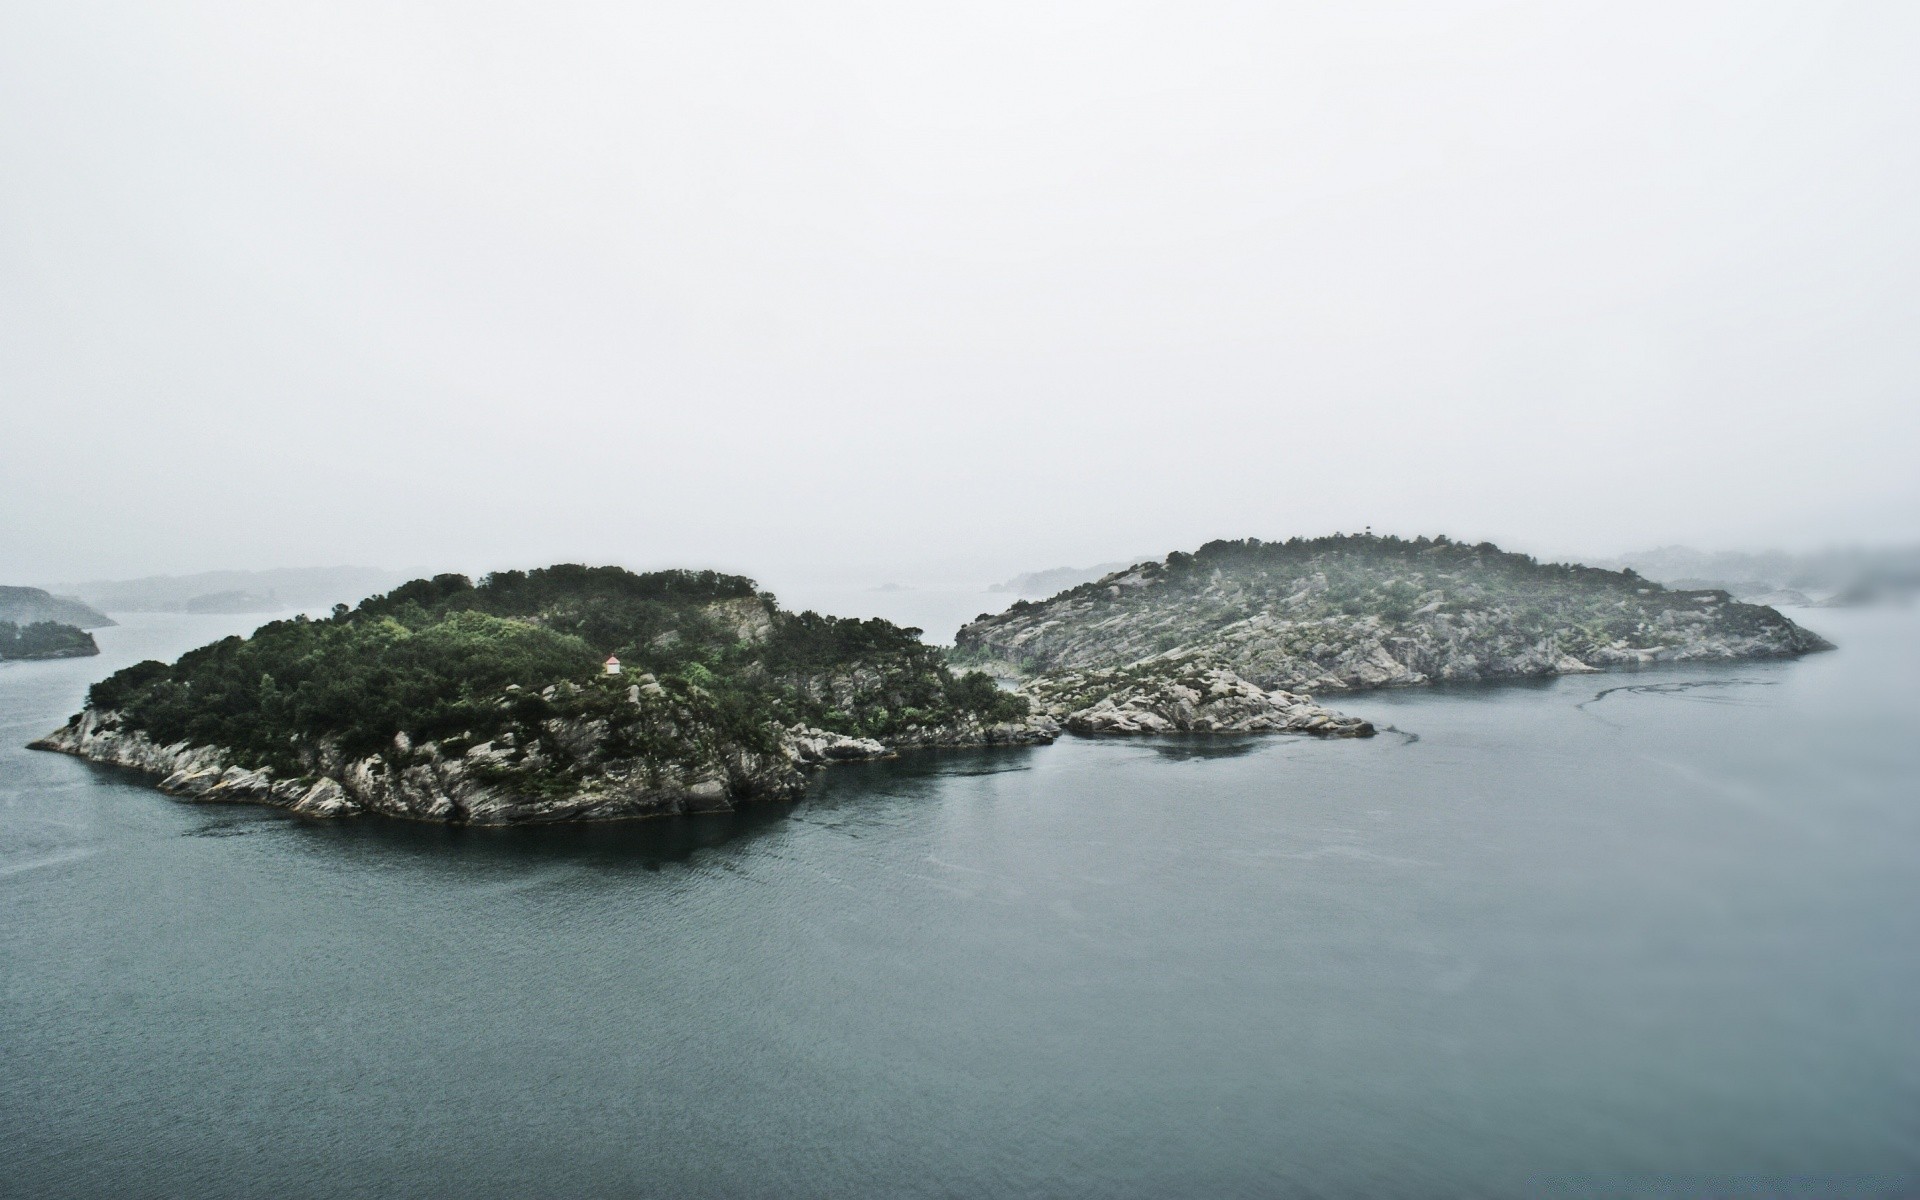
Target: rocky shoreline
x: 1237, y: 638
x: 430, y: 783
x: 1182, y: 696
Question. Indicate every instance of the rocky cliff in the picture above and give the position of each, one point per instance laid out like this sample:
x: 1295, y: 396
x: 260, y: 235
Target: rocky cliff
x: 1349, y: 613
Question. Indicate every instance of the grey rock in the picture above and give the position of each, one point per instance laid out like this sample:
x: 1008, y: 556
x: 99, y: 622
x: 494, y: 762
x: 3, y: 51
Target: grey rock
x: 1182, y: 695
x: 1351, y: 614
x: 424, y: 784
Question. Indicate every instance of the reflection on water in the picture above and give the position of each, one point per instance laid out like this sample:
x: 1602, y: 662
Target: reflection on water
x: 1653, y: 928
x: 1187, y: 747
x: 613, y: 845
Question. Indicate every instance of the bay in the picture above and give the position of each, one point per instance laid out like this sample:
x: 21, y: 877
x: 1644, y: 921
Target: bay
x: 1609, y: 934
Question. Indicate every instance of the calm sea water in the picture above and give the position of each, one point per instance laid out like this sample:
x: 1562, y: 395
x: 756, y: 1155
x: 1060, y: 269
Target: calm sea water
x: 1620, y: 934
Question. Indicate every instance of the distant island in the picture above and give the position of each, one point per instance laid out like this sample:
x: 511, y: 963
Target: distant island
x: 569, y: 693
x: 45, y: 639
x: 32, y: 605
x: 35, y: 623
x: 1839, y: 577
x: 1133, y: 650
x: 1055, y: 579
x: 270, y: 591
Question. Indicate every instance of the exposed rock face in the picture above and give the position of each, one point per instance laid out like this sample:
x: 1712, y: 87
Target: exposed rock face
x: 1176, y: 696
x: 427, y: 783
x: 475, y: 786
x: 1343, y: 614
x: 816, y: 747
x: 749, y: 619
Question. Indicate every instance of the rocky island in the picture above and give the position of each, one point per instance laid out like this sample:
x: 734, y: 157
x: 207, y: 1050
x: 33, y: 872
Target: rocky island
x: 1239, y: 634
x: 576, y: 693
x: 570, y: 693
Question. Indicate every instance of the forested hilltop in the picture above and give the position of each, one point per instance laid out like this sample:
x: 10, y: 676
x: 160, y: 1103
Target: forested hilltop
x: 452, y: 700
x: 1358, y: 611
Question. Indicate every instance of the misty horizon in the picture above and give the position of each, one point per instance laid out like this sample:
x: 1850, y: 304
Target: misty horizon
x: 886, y: 296
x: 880, y: 578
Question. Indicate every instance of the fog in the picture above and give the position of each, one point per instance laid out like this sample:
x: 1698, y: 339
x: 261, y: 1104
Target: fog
x: 902, y: 292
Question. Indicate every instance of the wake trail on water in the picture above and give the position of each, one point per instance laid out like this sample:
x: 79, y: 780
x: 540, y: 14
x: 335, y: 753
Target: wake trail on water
x: 51, y: 860
x: 1674, y: 689
x: 1679, y: 689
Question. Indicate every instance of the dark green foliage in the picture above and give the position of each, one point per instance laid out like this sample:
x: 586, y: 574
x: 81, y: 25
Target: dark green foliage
x: 974, y: 692
x: 355, y: 683
x: 45, y: 639
x: 1372, y: 575
x: 1371, y: 551
x: 872, y: 678
x: 435, y: 659
x: 656, y: 620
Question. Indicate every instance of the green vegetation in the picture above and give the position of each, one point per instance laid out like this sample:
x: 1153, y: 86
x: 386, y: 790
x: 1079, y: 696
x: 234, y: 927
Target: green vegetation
x: 44, y: 639
x: 516, y: 659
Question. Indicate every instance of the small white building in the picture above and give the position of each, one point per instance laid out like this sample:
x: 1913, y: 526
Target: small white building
x: 611, y: 666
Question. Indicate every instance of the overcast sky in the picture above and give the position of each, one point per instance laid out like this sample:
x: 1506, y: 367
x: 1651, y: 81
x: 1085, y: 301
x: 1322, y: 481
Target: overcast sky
x: 947, y: 291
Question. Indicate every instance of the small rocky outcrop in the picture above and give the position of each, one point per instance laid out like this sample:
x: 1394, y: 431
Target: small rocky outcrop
x: 1183, y: 697
x: 818, y: 747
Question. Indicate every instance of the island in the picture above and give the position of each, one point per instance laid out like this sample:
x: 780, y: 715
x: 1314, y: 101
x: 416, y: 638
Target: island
x: 36, y: 606
x: 563, y: 694
x: 586, y: 693
x: 280, y: 590
x: 1240, y: 635
x: 45, y: 639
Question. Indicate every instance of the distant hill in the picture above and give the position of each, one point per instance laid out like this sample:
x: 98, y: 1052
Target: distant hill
x: 32, y: 606
x: 1056, y: 579
x: 306, y: 588
x: 1838, y: 576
